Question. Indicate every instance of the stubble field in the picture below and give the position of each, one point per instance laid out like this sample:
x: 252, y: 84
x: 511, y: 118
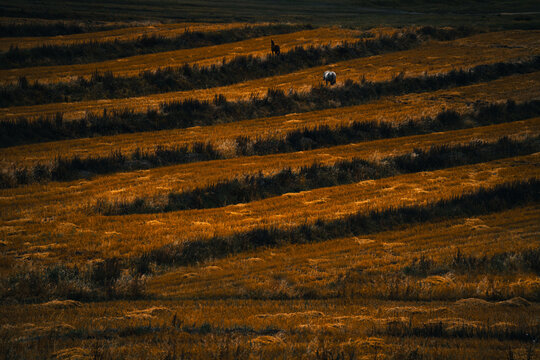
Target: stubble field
x: 393, y: 215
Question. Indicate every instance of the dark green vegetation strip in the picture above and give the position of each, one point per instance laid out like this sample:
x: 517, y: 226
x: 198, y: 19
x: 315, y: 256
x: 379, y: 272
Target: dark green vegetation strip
x: 107, y: 279
x: 525, y: 332
x: 51, y: 29
x: 408, y: 283
x: 62, y: 169
x: 101, y: 280
x: 192, y: 112
x: 460, y: 263
x: 94, y: 51
x: 482, y: 201
x: 176, y: 326
x: 260, y: 186
x: 240, y: 68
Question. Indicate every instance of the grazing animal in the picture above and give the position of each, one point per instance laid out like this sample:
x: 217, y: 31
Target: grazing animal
x: 274, y: 47
x: 329, y: 77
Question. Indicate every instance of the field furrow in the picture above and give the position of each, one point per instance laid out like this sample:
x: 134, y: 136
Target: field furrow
x: 469, y: 52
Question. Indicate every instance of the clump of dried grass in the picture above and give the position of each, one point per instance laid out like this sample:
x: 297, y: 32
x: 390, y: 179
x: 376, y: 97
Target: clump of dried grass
x: 75, y: 353
x: 62, y: 304
x: 148, y: 313
x: 476, y: 302
x: 369, y: 343
x: 310, y: 314
x: 264, y: 340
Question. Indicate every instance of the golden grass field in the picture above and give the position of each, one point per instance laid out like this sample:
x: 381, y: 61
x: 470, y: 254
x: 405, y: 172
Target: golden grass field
x: 204, y: 56
x: 465, y: 53
x: 431, y: 289
x: 80, y: 234
x: 122, y: 34
x: 395, y: 109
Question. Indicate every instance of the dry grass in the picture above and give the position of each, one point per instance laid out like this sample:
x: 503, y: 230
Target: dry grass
x: 315, y: 268
x: 392, y: 109
x: 198, y: 328
x: 123, y: 34
x: 203, y: 56
x: 181, y: 177
x: 27, y: 223
x: 353, y: 297
x: 469, y: 52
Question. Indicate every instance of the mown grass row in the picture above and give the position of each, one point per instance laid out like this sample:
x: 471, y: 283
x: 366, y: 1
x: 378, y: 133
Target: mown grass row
x: 460, y: 263
x: 259, y: 186
x: 238, y: 69
x: 101, y: 280
x: 358, y: 131
x: 94, y: 51
x: 461, y: 277
x: 62, y: 168
x: 121, y: 278
x: 192, y: 112
x: 50, y: 29
x: 482, y: 201
x: 523, y: 332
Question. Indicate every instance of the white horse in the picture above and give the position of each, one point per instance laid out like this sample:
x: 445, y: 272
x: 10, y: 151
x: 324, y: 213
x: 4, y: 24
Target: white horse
x: 329, y: 77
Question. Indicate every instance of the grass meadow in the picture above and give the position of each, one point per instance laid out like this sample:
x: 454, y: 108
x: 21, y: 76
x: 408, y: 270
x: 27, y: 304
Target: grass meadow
x: 171, y: 189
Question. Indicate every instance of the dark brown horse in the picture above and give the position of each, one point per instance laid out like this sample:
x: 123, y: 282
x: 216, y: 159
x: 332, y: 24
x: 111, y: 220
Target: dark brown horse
x: 274, y: 47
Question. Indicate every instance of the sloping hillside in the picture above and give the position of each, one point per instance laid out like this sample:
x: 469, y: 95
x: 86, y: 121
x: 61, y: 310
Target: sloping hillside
x: 393, y: 215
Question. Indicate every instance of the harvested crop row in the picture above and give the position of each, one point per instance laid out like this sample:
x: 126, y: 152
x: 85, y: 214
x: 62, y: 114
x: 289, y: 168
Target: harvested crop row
x: 127, y: 235
x: 95, y: 51
x: 469, y: 52
x: 189, y: 77
x: 159, y: 181
x: 202, y: 56
x: 395, y: 109
x: 65, y: 168
x: 123, y: 34
x: 320, y: 264
x: 481, y: 201
x: 499, y: 198
x: 189, y: 113
x: 256, y: 187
